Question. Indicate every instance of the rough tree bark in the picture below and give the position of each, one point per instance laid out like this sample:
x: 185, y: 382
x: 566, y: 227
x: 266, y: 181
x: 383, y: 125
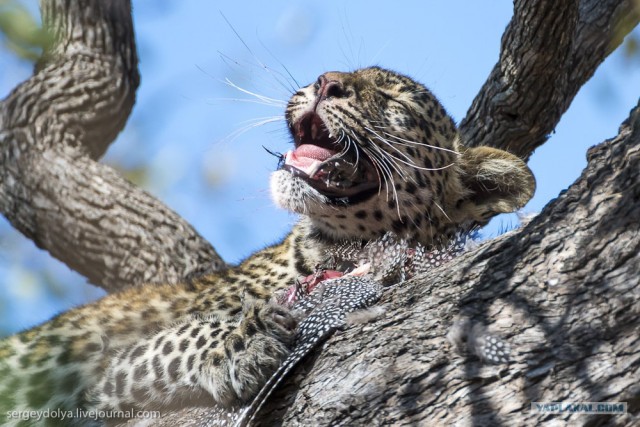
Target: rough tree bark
x: 563, y: 290
x: 549, y: 50
x: 52, y: 129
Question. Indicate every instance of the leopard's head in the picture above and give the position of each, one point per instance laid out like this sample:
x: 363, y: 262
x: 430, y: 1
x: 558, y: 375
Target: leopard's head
x: 375, y: 151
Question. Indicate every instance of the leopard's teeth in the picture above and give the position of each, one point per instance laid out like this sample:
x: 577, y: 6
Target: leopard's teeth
x: 315, y: 167
x: 310, y: 170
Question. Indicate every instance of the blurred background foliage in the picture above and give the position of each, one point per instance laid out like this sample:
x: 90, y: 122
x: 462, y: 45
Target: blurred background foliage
x: 190, y: 141
x: 22, y: 32
x: 631, y: 50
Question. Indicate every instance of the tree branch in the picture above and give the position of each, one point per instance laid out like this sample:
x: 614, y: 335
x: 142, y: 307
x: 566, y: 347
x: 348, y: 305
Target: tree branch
x: 549, y: 50
x: 563, y: 290
x: 53, y: 127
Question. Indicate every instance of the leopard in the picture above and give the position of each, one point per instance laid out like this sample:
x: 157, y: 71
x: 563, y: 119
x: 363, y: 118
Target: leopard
x: 373, y: 151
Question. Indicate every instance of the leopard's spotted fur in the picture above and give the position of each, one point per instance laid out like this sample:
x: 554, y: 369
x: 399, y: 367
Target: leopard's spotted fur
x: 217, y: 338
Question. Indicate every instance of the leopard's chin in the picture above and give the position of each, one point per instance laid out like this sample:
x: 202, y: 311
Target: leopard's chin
x: 335, y: 184
x: 294, y: 193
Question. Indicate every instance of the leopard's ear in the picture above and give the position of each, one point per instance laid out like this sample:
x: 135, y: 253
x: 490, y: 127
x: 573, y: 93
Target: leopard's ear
x: 496, y: 182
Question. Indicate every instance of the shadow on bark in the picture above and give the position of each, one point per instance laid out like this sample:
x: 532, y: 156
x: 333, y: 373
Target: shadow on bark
x: 563, y: 290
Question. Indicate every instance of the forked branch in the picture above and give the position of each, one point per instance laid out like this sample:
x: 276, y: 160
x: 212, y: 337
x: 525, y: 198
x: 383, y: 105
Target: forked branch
x: 549, y: 50
x: 52, y: 129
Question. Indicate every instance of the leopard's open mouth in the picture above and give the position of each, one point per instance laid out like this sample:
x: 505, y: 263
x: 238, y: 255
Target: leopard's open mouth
x: 340, y: 174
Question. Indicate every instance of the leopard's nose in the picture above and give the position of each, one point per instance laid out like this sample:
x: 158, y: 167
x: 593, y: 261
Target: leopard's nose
x: 330, y: 87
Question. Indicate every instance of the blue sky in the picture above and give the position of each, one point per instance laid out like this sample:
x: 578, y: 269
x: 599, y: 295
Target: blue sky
x: 186, y: 118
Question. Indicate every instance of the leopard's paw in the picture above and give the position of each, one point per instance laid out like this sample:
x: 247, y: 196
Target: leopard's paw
x: 263, y: 340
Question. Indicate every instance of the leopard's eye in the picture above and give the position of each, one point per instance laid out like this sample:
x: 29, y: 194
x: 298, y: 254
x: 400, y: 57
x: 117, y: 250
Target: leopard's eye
x: 387, y: 95
x: 318, y: 83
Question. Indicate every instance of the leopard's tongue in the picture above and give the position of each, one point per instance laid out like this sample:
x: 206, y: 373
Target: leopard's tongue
x: 308, y: 157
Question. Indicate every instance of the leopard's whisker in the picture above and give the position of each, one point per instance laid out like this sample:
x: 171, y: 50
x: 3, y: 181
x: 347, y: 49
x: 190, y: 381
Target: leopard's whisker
x: 422, y: 144
x: 345, y: 148
x: 382, y: 164
x: 387, y: 162
x: 350, y: 145
x: 382, y: 139
x: 374, y: 161
x: 251, y: 124
x: 275, y: 74
x: 393, y: 159
x: 357, y: 155
x: 441, y: 210
x: 381, y: 169
x: 413, y: 165
x: 392, y: 162
x: 410, y: 161
x: 265, y: 99
x: 248, y: 101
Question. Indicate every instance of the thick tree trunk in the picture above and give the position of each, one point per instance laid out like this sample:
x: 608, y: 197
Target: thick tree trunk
x: 564, y: 291
x: 53, y: 127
